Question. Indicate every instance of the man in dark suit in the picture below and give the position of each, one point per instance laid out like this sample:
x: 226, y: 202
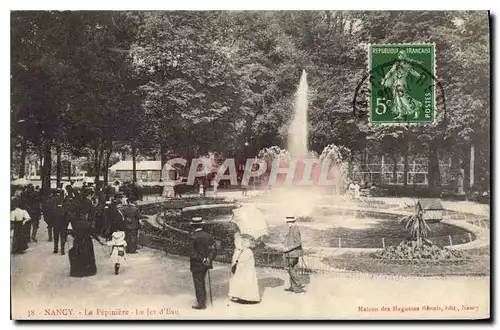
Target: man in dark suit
x: 32, y: 204
x: 60, y: 208
x: 293, y: 250
x: 202, y: 254
x: 116, y: 217
x: 48, y: 207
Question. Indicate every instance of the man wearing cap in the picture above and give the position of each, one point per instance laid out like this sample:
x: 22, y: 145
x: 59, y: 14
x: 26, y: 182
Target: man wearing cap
x: 293, y: 250
x: 202, y: 254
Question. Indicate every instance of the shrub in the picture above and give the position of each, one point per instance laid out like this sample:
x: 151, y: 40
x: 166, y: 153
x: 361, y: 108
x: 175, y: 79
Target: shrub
x: 416, y: 226
x: 411, y: 250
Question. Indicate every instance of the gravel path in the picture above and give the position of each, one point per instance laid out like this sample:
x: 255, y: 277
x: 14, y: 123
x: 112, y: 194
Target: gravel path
x: 151, y: 280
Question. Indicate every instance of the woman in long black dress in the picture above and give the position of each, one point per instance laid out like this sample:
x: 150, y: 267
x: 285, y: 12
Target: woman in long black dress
x: 81, y: 255
x: 20, y: 222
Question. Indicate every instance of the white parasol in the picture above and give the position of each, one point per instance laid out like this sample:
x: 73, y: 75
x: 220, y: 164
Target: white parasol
x: 20, y: 182
x: 250, y: 220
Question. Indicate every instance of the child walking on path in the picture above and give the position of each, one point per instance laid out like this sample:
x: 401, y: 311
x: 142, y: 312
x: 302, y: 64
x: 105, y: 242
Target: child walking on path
x: 118, y: 252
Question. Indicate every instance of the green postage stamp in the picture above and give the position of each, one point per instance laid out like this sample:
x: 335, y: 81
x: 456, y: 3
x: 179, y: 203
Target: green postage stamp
x: 402, y: 81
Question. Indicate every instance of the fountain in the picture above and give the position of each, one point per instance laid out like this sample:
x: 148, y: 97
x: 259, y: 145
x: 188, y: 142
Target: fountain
x: 328, y: 222
x: 329, y: 219
x: 295, y: 199
x: 297, y: 133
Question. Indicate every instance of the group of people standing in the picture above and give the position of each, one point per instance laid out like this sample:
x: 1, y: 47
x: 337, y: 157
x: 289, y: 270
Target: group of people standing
x: 25, y: 218
x: 107, y: 215
x: 84, y: 214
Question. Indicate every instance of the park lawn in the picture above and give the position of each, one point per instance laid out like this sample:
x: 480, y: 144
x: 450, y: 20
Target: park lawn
x: 371, y: 237
x: 477, y: 263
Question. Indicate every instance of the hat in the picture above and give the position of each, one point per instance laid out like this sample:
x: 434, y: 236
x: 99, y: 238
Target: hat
x: 119, y: 234
x: 197, y: 221
x: 290, y: 219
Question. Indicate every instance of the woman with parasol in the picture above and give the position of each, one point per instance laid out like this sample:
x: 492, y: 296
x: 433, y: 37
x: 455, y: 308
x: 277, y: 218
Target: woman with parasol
x: 243, y: 284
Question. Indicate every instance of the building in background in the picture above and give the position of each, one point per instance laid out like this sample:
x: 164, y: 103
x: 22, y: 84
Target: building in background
x: 147, y: 171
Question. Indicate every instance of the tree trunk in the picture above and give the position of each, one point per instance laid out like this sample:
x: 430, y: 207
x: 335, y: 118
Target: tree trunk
x: 394, y: 168
x: 433, y: 166
x: 349, y: 167
x: 454, y: 171
x: 466, y: 167
x: 405, y: 158
x: 47, y: 166
x: 40, y: 156
x: 471, y: 166
x: 106, y: 161
x: 163, y: 159
x: 163, y: 154
x: 58, y: 166
x: 134, y: 172
x: 12, y: 169
x: 22, y: 159
x: 69, y: 168
x: 405, y: 178
x: 97, y: 163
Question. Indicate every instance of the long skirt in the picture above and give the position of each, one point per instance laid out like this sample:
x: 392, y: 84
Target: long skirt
x: 20, y: 237
x: 243, y: 283
x: 131, y: 239
x: 81, y: 257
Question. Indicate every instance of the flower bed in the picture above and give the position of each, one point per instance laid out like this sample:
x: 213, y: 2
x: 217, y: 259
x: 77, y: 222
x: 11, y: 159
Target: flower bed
x: 410, y: 250
x: 469, y: 265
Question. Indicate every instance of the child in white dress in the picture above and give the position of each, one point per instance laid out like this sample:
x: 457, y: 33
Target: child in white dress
x: 118, y: 253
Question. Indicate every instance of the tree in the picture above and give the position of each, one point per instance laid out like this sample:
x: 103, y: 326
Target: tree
x: 189, y: 88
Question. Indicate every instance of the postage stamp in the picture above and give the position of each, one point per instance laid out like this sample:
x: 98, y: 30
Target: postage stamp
x: 402, y: 85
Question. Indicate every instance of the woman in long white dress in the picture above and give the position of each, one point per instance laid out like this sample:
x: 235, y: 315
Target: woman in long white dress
x: 243, y: 285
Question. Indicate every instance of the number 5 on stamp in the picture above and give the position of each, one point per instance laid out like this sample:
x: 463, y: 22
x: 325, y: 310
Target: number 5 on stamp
x: 402, y: 84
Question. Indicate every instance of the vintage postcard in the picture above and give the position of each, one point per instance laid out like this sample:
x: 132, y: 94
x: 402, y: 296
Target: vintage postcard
x: 243, y: 165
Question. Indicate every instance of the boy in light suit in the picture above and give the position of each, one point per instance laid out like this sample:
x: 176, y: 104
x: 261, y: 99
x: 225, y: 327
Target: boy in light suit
x: 293, y: 250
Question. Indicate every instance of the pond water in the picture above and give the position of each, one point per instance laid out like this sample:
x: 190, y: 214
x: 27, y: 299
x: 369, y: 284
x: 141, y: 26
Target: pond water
x: 326, y: 226
x: 363, y: 230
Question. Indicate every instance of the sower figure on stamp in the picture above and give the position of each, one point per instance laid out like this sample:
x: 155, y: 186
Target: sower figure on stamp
x: 202, y: 254
x: 396, y: 79
x: 293, y: 250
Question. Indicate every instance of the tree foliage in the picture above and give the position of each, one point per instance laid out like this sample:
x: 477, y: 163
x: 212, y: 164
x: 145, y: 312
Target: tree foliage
x: 189, y: 83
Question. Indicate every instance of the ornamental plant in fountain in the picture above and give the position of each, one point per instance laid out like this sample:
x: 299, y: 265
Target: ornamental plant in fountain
x: 418, y: 247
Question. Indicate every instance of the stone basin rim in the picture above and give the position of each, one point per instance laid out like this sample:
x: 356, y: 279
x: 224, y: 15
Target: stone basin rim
x: 481, y: 234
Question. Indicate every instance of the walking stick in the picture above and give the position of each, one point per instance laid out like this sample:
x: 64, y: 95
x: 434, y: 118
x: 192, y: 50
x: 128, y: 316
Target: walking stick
x: 210, y: 288
x: 304, y: 264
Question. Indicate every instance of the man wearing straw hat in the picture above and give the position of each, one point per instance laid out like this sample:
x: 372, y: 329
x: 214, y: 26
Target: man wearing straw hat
x: 202, y: 254
x: 293, y: 250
